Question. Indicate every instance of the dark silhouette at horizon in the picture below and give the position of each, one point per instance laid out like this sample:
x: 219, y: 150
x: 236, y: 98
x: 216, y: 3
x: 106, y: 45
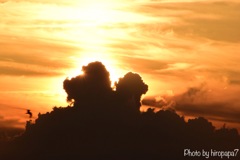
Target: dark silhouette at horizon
x: 103, y: 123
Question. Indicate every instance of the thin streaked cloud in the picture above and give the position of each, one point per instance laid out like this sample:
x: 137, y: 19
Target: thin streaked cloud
x: 174, y: 46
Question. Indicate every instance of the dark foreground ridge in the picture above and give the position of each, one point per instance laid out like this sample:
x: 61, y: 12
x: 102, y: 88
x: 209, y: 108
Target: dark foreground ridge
x: 106, y: 123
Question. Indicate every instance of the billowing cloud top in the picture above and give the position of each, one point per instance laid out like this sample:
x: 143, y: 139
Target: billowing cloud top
x: 175, y: 45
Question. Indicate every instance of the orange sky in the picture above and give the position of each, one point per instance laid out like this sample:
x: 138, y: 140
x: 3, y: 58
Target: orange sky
x: 173, y: 45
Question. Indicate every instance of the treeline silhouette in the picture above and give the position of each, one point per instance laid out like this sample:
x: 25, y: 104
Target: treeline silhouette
x: 106, y: 123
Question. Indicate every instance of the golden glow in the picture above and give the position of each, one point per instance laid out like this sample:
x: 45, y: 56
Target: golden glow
x: 173, y: 46
x: 92, y: 33
x: 109, y: 63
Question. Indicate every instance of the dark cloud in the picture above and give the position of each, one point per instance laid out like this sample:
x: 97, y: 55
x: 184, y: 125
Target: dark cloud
x: 193, y: 94
x: 199, y: 101
x: 90, y: 87
x: 210, y: 110
x: 131, y: 86
x: 93, y: 88
x: 100, y: 125
x: 152, y: 102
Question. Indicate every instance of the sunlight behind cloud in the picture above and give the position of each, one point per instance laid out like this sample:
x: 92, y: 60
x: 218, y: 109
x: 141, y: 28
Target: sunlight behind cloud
x: 109, y: 62
x: 172, y: 44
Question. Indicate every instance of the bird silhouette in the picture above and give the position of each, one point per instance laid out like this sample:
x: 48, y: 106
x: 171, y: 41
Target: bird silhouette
x: 29, y: 113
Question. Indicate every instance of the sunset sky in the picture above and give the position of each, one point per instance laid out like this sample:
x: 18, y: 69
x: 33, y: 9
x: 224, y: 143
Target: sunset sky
x: 186, y: 51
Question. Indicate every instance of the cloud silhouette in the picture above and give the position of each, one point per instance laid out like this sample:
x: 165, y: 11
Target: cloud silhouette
x: 99, y: 125
x: 92, y: 90
x: 91, y: 87
x: 131, y: 87
x: 200, y: 101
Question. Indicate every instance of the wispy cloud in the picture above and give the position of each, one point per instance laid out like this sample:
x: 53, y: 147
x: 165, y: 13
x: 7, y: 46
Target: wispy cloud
x: 8, y: 123
x: 213, y: 20
x: 26, y: 72
x: 217, y: 104
x: 174, y: 45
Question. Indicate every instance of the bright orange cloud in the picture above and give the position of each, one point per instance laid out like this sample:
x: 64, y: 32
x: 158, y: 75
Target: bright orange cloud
x: 173, y: 45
